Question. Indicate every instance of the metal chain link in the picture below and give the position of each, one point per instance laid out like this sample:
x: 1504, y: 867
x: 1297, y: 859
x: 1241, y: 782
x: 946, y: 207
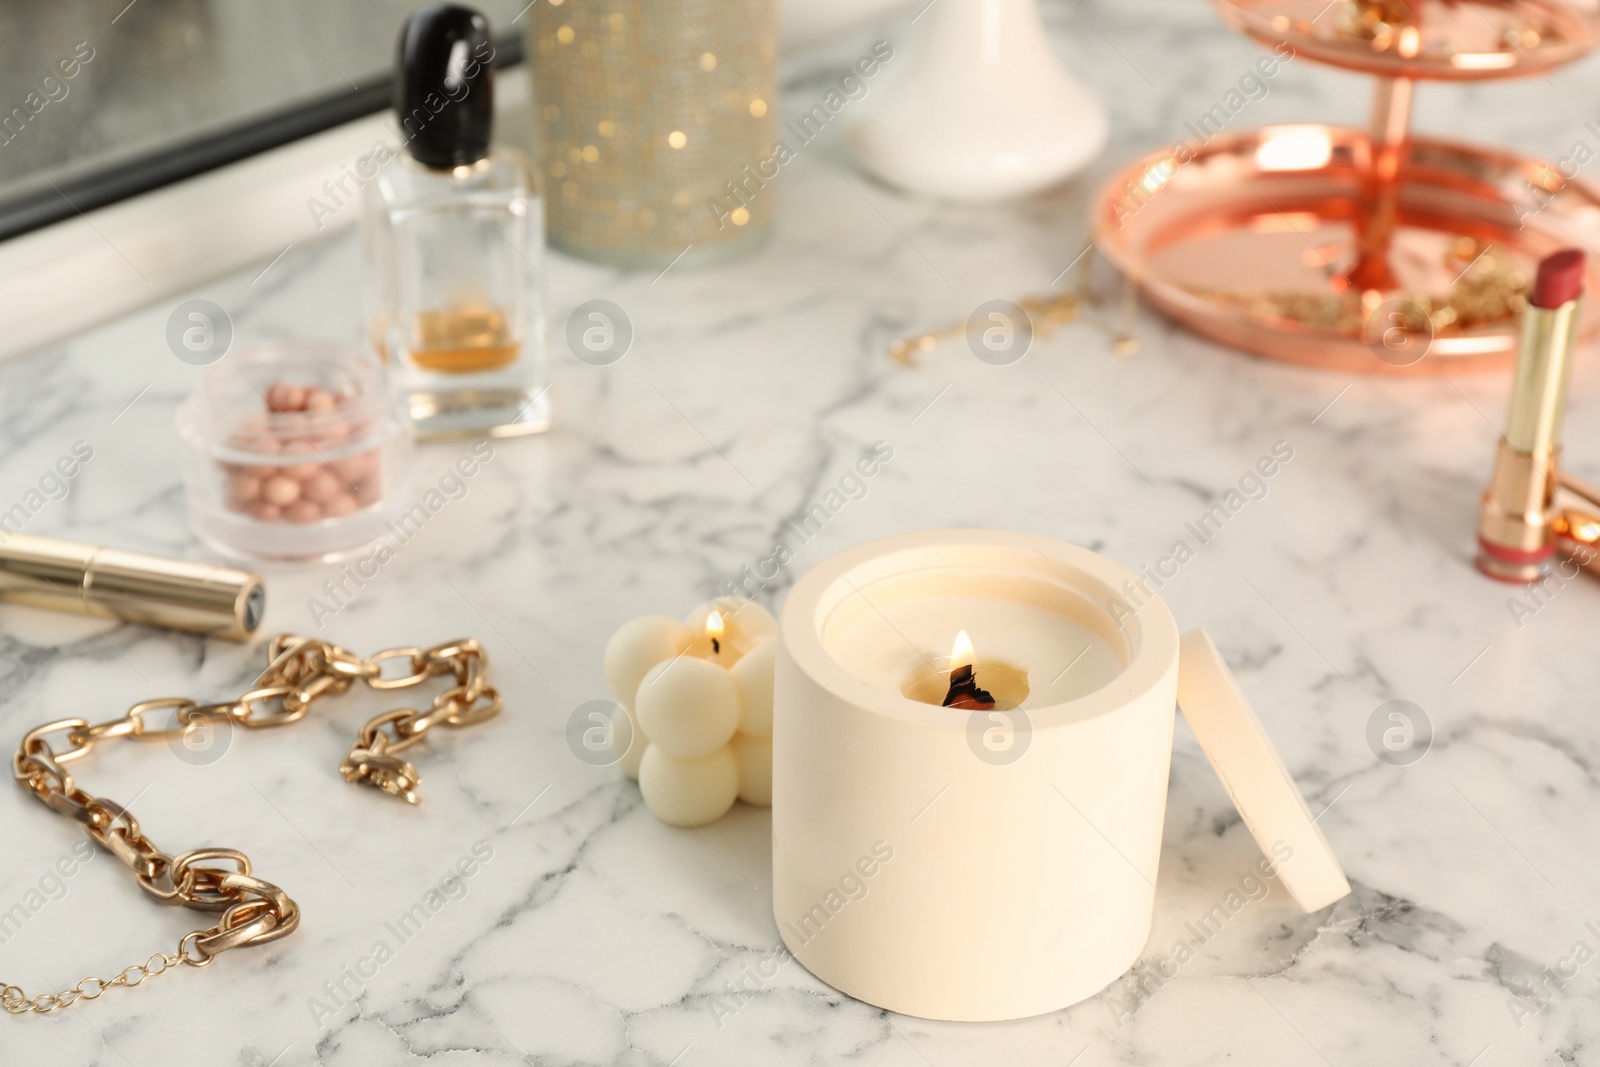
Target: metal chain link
x: 254, y: 912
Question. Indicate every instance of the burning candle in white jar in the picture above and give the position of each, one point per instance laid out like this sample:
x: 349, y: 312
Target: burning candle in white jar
x: 1035, y: 653
x: 1011, y: 793
x: 1027, y: 642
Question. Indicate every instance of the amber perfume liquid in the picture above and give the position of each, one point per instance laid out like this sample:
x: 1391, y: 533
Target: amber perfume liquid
x: 456, y: 304
x: 464, y: 340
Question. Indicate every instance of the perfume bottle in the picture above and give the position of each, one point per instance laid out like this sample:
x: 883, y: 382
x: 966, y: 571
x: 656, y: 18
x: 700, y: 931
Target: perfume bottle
x: 453, y: 233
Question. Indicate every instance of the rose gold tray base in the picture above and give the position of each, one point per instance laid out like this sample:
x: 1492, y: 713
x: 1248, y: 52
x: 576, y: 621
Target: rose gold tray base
x: 1253, y: 242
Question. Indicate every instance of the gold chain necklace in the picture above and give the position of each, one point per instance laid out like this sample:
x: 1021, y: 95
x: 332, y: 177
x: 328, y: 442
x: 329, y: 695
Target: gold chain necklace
x: 254, y: 911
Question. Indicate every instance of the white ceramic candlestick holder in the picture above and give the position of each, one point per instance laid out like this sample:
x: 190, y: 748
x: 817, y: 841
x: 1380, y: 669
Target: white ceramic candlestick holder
x: 984, y: 865
x: 979, y: 109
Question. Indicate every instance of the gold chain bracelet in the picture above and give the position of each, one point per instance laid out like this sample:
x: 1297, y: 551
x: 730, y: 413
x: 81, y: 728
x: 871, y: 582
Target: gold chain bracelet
x: 254, y: 912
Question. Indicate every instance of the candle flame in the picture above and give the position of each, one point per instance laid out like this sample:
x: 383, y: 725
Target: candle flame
x: 961, y: 652
x: 714, y: 625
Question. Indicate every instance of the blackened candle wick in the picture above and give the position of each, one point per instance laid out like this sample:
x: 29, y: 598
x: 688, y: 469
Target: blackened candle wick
x: 716, y: 646
x: 964, y: 691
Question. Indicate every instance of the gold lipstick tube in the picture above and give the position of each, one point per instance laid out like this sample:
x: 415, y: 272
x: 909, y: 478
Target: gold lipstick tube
x: 1516, y: 523
x: 175, y: 594
x: 1516, y: 535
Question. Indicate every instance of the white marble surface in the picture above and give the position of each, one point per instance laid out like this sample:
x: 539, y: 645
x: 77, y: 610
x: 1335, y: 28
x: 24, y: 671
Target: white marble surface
x: 595, y: 934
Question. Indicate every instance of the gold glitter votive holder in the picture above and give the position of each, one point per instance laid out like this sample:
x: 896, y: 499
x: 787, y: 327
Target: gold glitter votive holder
x: 655, y: 126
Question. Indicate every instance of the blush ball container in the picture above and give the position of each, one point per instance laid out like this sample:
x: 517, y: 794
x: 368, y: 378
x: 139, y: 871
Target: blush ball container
x: 294, y: 451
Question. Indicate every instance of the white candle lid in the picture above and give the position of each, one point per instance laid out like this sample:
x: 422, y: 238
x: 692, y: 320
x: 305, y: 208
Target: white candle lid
x: 1254, y: 775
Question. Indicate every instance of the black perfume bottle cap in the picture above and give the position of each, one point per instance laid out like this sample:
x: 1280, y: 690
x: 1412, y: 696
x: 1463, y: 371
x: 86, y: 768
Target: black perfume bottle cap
x: 444, y: 85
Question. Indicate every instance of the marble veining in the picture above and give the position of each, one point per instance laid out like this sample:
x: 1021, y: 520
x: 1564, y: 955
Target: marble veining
x: 588, y: 932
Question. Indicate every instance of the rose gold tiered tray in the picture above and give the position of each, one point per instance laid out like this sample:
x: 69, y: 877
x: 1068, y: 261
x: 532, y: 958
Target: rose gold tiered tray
x: 1362, y: 251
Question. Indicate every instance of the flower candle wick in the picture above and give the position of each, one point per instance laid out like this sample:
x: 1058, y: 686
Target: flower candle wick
x: 714, y: 630
x: 964, y: 691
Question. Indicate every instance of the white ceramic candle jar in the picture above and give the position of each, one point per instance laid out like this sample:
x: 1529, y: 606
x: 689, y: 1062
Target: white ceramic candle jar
x: 974, y: 864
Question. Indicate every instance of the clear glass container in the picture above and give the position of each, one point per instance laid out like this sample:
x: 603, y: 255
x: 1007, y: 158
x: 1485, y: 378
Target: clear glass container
x: 454, y: 297
x: 294, y: 451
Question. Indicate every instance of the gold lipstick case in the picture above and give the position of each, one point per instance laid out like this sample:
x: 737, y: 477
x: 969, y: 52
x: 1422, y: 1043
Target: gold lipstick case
x: 176, y: 594
x: 1516, y: 528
